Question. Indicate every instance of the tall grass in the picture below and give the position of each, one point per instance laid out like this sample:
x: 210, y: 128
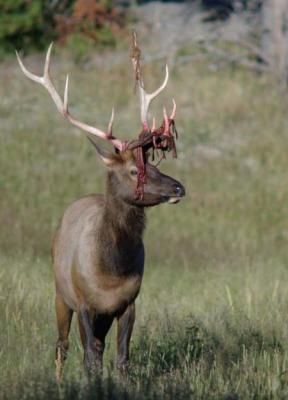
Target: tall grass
x: 201, y: 333
x: 212, y: 312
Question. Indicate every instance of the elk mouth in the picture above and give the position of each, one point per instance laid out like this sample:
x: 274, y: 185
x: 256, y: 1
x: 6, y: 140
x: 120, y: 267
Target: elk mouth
x: 178, y: 193
x: 173, y: 200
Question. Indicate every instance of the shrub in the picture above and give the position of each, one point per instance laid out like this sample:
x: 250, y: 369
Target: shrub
x: 31, y: 24
x: 21, y: 24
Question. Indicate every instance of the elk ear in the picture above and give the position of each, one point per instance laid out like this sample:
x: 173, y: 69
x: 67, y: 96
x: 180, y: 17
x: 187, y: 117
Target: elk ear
x: 108, y: 158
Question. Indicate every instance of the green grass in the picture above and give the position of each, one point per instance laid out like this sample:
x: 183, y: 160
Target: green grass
x: 211, y: 333
x: 212, y: 313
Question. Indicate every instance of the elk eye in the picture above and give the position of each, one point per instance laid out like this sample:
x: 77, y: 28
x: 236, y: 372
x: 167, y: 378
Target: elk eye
x: 133, y: 172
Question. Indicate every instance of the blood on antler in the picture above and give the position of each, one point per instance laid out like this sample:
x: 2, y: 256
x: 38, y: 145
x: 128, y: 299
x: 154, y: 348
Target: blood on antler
x: 162, y: 138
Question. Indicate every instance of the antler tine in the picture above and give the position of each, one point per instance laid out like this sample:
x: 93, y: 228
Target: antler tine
x: 25, y: 71
x: 62, y: 106
x: 65, y: 108
x: 110, y: 126
x: 153, y: 124
x: 166, y: 121
x: 173, y: 114
x: 146, y: 98
x: 45, y: 79
x: 47, y: 62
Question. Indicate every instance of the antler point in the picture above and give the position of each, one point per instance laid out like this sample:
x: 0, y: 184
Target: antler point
x: 110, y: 125
x: 66, y: 95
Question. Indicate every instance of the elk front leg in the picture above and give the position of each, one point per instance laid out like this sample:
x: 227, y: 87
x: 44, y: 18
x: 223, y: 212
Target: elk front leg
x: 64, y: 316
x: 93, y: 330
x: 101, y: 326
x: 87, y: 338
x: 124, y: 331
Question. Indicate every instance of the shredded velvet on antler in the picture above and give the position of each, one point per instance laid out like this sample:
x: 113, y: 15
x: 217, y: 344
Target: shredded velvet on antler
x: 159, y: 140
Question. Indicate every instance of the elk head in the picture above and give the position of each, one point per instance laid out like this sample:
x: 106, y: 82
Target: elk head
x: 137, y: 181
x: 123, y: 179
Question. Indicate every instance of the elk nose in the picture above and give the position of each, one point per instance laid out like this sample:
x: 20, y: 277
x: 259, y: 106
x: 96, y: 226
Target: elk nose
x: 179, y: 190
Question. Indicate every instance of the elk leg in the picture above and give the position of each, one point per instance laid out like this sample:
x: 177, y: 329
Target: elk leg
x: 93, y: 338
x: 124, y: 331
x: 87, y: 337
x: 101, y: 326
x: 64, y: 316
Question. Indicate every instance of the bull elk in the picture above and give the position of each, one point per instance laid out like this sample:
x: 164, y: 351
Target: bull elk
x: 97, y: 251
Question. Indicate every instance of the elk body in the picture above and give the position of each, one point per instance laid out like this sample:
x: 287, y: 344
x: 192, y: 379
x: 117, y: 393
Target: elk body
x: 98, y: 252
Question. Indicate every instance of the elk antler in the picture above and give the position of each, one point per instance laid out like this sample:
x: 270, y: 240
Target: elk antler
x: 62, y: 106
x: 145, y: 98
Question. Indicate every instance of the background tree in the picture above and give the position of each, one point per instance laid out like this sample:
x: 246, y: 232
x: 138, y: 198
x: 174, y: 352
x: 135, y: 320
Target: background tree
x: 27, y: 23
x: 274, y: 35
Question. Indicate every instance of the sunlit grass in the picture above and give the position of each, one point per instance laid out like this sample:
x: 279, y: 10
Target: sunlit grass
x: 212, y: 333
x: 212, y: 312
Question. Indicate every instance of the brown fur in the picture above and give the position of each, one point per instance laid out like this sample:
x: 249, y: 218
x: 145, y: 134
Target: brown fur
x: 98, y: 258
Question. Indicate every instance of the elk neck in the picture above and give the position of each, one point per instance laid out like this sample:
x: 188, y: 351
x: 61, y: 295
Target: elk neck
x: 123, y: 217
x: 121, y: 232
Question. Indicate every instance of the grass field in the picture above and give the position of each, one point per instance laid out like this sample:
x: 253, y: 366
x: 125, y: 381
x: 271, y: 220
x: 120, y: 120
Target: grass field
x: 212, y: 316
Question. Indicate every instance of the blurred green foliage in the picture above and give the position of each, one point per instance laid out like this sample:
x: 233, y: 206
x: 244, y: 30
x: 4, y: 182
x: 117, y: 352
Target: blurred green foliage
x: 21, y: 24
x: 30, y: 24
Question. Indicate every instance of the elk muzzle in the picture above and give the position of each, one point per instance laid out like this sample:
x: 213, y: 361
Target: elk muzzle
x: 179, y: 192
x: 161, y: 188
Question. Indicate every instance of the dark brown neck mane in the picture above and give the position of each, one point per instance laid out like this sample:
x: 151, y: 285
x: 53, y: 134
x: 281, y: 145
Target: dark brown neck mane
x: 121, y: 231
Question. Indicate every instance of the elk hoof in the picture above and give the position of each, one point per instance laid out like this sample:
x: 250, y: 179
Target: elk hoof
x: 123, y: 368
x: 92, y: 363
